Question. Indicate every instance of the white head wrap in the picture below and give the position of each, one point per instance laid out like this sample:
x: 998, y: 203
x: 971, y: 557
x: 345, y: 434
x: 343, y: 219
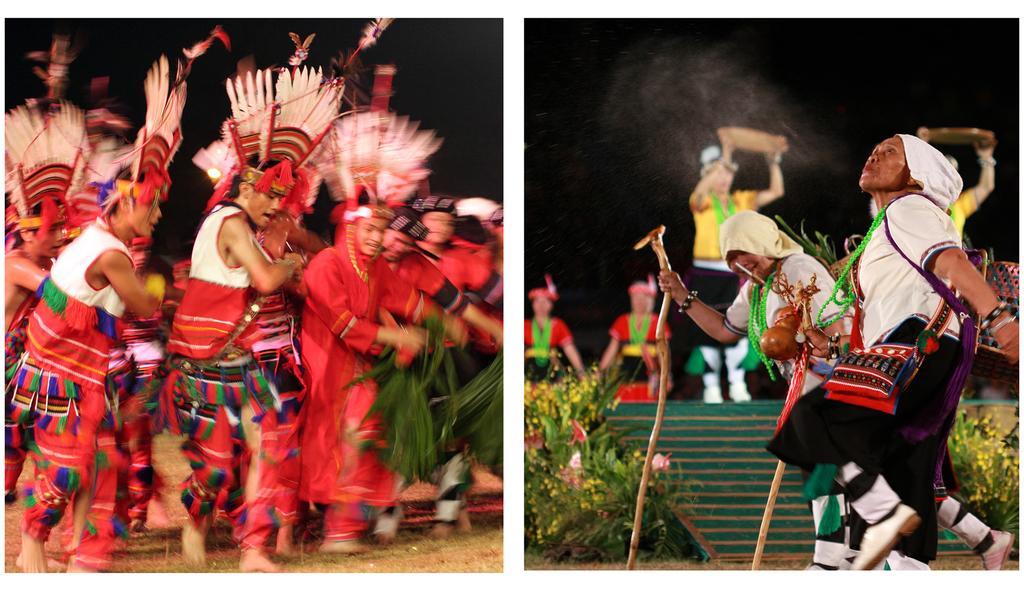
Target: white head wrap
x: 752, y: 232
x: 932, y: 171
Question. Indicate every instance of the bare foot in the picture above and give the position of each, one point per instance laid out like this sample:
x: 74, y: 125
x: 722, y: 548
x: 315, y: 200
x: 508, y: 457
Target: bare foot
x: 253, y: 560
x: 386, y: 537
x: 442, y: 530
x: 33, y: 555
x: 350, y: 547
x: 75, y: 568
x: 285, y: 547
x: 156, y: 514
x: 51, y: 563
x: 193, y: 544
x: 463, y: 525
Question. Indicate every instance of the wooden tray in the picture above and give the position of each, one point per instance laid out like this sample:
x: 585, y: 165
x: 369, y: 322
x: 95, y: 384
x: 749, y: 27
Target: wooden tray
x: 956, y: 135
x: 753, y: 140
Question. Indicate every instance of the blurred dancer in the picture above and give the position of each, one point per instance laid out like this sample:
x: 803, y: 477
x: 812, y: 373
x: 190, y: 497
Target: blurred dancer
x: 712, y: 202
x: 632, y: 345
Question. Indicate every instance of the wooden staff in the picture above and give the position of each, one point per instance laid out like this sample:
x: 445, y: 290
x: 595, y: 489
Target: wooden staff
x: 654, y: 239
x: 769, y: 508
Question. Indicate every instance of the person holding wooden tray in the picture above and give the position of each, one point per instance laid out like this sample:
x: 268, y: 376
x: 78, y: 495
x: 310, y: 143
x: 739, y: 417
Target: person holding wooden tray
x: 712, y: 202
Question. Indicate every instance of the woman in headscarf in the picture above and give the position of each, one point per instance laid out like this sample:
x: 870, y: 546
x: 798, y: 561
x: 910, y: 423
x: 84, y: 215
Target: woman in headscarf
x: 879, y: 427
x: 755, y: 249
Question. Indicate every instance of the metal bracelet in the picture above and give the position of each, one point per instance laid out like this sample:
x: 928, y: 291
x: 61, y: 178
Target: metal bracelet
x: 1002, y: 324
x: 992, y: 315
x: 690, y: 297
x: 987, y: 162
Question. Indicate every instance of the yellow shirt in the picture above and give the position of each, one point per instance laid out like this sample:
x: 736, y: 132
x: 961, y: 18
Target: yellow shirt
x: 963, y: 208
x: 705, y: 241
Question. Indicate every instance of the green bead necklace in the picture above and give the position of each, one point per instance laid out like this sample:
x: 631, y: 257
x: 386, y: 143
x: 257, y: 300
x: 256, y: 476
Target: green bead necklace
x: 757, y: 323
x: 844, y: 285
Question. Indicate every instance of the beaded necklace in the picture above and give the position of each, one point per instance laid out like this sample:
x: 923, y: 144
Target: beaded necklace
x: 844, y: 294
x: 349, y: 242
x: 757, y: 323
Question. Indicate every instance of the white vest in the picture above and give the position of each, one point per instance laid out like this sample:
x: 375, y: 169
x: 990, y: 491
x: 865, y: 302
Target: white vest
x: 69, y: 270
x: 207, y: 263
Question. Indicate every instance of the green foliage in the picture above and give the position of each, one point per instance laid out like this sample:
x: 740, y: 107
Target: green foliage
x: 988, y: 469
x: 426, y: 411
x: 820, y: 247
x: 478, y: 411
x: 580, y: 494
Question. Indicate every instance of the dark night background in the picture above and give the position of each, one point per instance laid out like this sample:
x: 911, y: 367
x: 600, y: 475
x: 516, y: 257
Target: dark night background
x: 449, y: 79
x: 617, y: 112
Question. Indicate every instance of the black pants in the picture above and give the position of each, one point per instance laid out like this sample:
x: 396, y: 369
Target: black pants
x: 823, y: 431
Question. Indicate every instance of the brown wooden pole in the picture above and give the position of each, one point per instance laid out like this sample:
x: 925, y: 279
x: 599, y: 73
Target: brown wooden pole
x: 766, y: 520
x: 663, y: 369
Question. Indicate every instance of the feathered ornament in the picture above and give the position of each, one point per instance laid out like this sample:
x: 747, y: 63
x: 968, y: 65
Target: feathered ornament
x: 373, y: 30
x: 105, y: 160
x: 54, y: 64
x: 371, y: 33
x: 301, y: 49
x: 44, y: 152
x: 380, y: 153
x: 283, y: 122
x: 549, y: 291
x: 191, y: 53
x: 160, y: 136
x: 551, y: 285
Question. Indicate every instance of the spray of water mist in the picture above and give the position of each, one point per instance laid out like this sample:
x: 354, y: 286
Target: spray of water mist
x: 666, y: 98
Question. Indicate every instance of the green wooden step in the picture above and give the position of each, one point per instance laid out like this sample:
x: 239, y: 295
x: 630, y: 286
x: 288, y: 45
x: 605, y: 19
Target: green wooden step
x: 718, y: 452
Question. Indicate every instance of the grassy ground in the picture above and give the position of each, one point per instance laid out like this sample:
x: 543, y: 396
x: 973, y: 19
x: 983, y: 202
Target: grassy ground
x: 537, y: 562
x: 159, y: 550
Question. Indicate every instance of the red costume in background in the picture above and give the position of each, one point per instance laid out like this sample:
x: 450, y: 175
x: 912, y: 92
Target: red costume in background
x: 639, y: 357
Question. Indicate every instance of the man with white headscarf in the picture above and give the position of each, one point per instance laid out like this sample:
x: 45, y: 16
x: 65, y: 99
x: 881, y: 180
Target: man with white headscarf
x: 755, y: 248
x: 880, y: 437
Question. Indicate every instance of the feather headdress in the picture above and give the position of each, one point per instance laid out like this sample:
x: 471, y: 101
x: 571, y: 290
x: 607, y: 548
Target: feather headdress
x: 44, y: 154
x: 381, y: 153
x: 160, y: 137
x: 548, y: 291
x: 275, y: 128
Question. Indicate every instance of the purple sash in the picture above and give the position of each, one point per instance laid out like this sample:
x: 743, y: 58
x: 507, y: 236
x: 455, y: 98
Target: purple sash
x: 938, y: 417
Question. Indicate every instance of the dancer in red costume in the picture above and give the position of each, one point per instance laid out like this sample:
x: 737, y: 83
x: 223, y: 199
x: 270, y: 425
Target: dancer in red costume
x: 215, y: 382
x: 38, y: 235
x: 61, y: 382
x: 348, y: 287
x: 632, y: 336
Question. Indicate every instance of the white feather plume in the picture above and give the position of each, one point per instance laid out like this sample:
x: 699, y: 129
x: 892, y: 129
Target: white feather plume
x: 249, y: 98
x: 34, y: 139
x: 383, y: 152
x: 300, y: 97
x: 305, y: 102
x: 164, y: 105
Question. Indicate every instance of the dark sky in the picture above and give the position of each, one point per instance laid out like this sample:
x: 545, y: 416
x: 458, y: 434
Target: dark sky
x: 449, y: 78
x: 617, y: 112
